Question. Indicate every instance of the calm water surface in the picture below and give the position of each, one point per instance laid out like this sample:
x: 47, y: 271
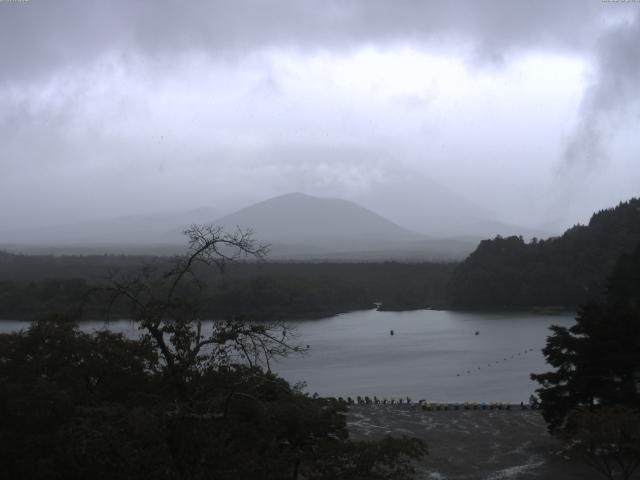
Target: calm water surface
x: 434, y: 355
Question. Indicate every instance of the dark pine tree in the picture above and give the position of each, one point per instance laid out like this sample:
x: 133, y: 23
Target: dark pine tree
x: 596, y: 361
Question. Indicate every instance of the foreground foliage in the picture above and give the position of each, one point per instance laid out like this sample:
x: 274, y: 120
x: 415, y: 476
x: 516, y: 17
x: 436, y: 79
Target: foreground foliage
x: 179, y: 402
x: 592, y: 398
x: 607, y: 439
x: 78, y: 405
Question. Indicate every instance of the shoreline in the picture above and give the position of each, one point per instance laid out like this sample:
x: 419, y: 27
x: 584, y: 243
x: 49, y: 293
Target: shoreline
x: 314, y: 316
x: 473, y: 444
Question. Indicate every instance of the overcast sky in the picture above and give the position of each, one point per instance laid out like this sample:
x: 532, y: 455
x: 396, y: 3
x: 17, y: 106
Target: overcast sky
x: 529, y: 109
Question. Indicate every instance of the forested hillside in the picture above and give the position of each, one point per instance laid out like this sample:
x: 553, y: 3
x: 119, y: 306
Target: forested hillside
x: 560, y: 271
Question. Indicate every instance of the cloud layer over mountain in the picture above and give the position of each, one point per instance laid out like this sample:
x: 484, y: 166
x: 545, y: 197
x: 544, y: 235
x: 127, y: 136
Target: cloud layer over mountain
x: 527, y: 110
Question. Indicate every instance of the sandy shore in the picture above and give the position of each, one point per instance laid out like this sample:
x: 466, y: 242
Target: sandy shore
x: 473, y: 444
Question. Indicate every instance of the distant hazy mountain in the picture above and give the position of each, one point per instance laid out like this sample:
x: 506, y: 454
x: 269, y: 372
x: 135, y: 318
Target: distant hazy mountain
x: 301, y: 226
x: 296, y: 217
x: 156, y: 229
x: 425, y: 206
x: 297, y: 227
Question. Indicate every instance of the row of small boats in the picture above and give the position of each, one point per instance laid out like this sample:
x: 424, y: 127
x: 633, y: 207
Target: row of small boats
x: 431, y: 406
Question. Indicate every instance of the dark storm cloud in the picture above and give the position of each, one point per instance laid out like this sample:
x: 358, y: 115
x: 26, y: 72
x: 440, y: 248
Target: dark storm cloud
x: 37, y: 37
x: 612, y: 96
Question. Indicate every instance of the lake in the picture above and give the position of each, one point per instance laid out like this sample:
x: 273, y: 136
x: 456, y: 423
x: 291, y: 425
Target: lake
x: 433, y: 355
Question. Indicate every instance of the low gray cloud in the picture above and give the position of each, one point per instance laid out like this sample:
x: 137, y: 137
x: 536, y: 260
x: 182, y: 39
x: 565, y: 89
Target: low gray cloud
x: 611, y: 101
x: 112, y: 106
x: 39, y: 36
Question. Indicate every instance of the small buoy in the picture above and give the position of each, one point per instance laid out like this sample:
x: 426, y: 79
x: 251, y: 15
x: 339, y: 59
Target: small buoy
x: 391, y: 332
x: 477, y: 332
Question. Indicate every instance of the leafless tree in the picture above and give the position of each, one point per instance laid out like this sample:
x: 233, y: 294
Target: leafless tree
x: 166, y: 302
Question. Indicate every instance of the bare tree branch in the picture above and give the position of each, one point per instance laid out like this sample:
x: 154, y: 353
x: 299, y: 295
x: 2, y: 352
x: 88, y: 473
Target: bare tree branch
x: 166, y: 307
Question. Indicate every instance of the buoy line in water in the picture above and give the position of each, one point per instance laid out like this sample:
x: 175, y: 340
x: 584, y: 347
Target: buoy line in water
x: 477, y: 368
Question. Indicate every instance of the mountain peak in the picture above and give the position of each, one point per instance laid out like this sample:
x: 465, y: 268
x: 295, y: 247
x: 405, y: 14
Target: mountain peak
x: 300, y: 196
x: 296, y: 217
x: 295, y: 195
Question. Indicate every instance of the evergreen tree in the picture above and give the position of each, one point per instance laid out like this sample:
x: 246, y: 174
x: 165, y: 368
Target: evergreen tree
x: 563, y: 271
x: 597, y: 360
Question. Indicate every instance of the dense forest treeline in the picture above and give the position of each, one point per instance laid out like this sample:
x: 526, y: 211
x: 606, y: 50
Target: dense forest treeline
x: 563, y: 271
x: 31, y: 286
